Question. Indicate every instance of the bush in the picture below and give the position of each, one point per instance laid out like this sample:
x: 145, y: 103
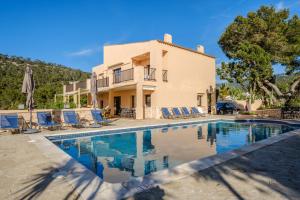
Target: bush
x: 247, y: 113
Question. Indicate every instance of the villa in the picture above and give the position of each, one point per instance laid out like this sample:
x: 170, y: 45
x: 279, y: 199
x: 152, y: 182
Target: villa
x: 142, y: 77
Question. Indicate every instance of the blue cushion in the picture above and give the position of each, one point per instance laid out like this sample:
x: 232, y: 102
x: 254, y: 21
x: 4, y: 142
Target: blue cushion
x: 98, y: 117
x: 45, y: 119
x: 70, y: 117
x: 165, y: 112
x: 185, y: 111
x: 176, y: 111
x: 9, y: 121
x: 195, y: 110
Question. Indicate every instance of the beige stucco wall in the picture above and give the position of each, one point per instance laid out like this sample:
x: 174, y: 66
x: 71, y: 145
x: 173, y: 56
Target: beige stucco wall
x: 254, y: 106
x: 189, y: 73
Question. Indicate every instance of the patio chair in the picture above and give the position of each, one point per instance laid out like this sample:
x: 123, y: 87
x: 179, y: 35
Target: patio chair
x: 70, y: 118
x: 98, y: 118
x: 196, y: 112
x: 201, y: 111
x: 186, y: 112
x: 177, y: 112
x: 45, y: 120
x: 9, y: 122
x: 166, y: 113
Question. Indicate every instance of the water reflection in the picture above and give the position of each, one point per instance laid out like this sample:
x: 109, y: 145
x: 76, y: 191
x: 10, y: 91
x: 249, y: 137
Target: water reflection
x: 117, y: 157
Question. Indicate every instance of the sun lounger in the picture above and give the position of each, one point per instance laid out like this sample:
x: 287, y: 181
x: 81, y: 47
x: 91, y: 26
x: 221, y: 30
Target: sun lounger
x: 196, y: 112
x: 70, y: 118
x: 201, y: 111
x: 98, y: 117
x: 45, y: 120
x: 166, y: 113
x: 186, y: 112
x: 9, y: 122
x: 177, y: 112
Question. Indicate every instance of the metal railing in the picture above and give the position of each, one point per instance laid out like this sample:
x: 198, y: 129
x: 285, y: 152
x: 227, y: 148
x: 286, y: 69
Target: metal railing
x: 290, y: 113
x: 69, y: 88
x: 149, y: 74
x: 103, y: 82
x: 121, y: 76
x: 81, y: 84
x: 165, y: 75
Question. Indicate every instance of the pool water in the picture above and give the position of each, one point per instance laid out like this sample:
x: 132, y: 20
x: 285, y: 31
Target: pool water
x: 119, y: 156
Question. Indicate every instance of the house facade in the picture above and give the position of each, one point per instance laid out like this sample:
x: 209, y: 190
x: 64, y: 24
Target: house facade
x: 143, y: 77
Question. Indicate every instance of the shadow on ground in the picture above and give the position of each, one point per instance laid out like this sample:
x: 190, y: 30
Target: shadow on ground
x: 39, y: 183
x: 272, y: 169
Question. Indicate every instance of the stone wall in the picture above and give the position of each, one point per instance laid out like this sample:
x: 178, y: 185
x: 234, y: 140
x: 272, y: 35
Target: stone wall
x: 83, y: 113
x: 273, y: 113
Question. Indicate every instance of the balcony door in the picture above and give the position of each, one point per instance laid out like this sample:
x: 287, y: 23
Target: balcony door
x: 117, y: 75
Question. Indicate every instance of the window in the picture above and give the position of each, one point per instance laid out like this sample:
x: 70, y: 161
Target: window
x: 165, y: 75
x: 148, y: 100
x: 101, y: 104
x: 132, y: 101
x: 117, y: 75
x: 199, y: 99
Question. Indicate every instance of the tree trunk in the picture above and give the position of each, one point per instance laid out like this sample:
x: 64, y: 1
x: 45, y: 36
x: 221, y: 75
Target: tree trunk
x: 268, y: 92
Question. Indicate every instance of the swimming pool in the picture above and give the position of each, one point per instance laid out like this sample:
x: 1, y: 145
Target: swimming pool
x: 117, y: 156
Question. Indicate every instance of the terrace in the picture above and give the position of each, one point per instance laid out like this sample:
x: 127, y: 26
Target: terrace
x: 50, y: 175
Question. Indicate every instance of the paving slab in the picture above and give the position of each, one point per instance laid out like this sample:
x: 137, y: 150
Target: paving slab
x: 272, y: 172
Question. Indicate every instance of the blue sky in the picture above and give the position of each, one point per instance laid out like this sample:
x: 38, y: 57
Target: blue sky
x: 73, y: 32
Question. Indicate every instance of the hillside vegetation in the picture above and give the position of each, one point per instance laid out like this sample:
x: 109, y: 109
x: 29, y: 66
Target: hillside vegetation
x: 49, y: 79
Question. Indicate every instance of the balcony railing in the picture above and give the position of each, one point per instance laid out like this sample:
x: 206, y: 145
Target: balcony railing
x: 103, y: 82
x: 165, y: 75
x: 81, y: 85
x: 69, y: 88
x: 121, y: 76
x: 149, y: 74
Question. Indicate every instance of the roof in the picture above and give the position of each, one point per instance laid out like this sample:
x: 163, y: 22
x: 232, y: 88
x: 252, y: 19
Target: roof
x: 188, y: 49
x: 167, y: 43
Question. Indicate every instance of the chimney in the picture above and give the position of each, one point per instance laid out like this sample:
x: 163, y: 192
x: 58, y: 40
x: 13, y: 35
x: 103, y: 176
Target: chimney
x: 167, y: 38
x: 200, y: 48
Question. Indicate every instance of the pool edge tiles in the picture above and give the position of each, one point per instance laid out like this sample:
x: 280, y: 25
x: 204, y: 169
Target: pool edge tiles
x: 126, y: 189
x: 90, y: 133
x: 100, y: 131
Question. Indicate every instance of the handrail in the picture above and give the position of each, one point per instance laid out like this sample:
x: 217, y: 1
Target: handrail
x: 81, y: 84
x: 121, y: 76
x: 149, y: 74
x: 103, y: 82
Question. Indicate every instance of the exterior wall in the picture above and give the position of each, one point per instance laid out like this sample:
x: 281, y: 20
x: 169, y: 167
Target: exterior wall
x: 254, y: 106
x: 189, y: 73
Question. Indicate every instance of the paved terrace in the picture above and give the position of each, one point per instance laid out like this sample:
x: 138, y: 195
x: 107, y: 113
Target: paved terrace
x: 272, y: 172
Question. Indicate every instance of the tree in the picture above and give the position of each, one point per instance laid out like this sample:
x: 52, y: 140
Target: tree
x: 49, y: 79
x: 254, y: 44
x: 224, y: 91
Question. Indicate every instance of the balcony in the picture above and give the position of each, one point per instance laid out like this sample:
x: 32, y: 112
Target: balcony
x: 81, y: 85
x: 122, y: 76
x: 149, y: 74
x: 103, y: 82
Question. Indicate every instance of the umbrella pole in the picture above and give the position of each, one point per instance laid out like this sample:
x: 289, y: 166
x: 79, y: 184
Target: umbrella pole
x: 30, y: 120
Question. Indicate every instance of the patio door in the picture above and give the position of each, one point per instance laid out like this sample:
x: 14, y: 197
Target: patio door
x: 117, y: 105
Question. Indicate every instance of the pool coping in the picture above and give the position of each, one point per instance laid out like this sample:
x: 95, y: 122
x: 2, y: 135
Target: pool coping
x: 90, y: 186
